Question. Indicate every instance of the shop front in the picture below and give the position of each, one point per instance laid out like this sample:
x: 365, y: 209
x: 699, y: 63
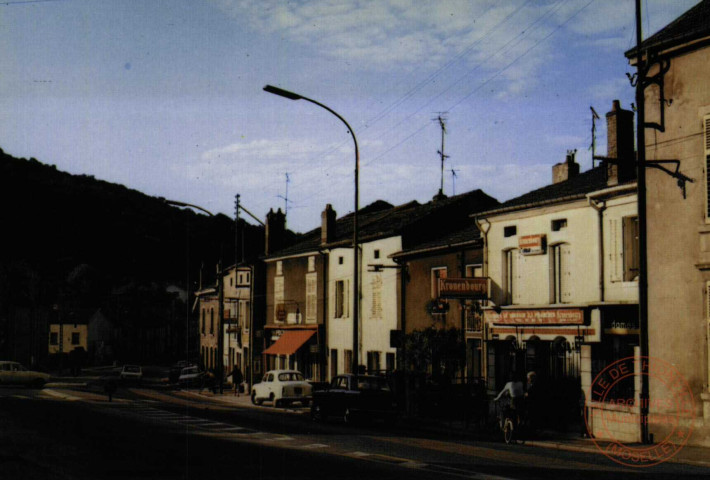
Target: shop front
x: 293, y: 349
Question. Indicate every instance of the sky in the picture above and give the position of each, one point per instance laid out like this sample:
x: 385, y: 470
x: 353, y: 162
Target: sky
x: 165, y: 96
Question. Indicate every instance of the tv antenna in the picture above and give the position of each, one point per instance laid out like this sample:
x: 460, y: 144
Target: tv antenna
x: 453, y: 180
x: 593, y: 146
x: 285, y: 197
x: 441, y: 118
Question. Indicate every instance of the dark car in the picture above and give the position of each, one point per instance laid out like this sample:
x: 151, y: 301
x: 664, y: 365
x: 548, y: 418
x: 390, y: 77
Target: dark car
x: 353, y: 397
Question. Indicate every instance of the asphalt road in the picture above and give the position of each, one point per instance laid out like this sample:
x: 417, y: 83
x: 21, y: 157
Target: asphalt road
x: 59, y: 434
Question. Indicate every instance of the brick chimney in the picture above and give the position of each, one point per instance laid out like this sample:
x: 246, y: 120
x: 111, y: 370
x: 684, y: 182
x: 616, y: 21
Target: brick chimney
x: 565, y: 170
x: 327, y: 225
x: 275, y: 231
x: 620, y: 145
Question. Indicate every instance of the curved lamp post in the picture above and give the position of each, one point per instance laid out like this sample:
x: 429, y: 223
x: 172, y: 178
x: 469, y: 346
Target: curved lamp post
x: 356, y: 270
x: 220, y: 298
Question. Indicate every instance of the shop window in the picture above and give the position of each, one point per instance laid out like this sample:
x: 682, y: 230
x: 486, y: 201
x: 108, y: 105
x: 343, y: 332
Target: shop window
x: 341, y: 299
x: 631, y: 248
x: 510, y: 231
x: 560, y: 273
x: 436, y: 274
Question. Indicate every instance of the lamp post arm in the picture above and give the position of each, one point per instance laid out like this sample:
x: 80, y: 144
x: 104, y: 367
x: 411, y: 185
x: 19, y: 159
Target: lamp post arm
x: 251, y: 215
x: 183, y: 204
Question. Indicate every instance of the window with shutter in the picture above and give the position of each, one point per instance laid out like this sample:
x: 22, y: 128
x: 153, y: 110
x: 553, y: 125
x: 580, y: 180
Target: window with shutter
x: 615, y: 252
x: 706, y: 145
x: 311, y: 297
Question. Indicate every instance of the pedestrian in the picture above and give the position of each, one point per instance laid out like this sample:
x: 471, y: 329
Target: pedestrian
x: 237, y: 379
x: 110, y: 389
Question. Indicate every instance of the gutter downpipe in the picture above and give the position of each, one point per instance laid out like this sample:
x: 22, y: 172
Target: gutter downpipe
x: 600, y: 206
x: 484, y: 343
x: 323, y: 357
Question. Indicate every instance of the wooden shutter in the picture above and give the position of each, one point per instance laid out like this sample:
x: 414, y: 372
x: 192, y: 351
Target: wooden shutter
x: 517, y: 271
x: 565, y: 273
x: 616, y: 260
x: 706, y: 145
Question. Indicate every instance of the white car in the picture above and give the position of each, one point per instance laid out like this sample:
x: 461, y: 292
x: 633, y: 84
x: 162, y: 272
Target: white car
x: 132, y: 372
x: 16, y: 373
x: 282, y: 387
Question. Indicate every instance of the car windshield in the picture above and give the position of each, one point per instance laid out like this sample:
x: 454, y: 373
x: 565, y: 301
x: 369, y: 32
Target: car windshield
x: 364, y: 383
x: 189, y: 370
x: 290, y: 377
x: 132, y: 368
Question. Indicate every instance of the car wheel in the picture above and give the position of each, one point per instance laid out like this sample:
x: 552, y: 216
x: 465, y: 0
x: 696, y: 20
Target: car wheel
x: 255, y: 400
x: 317, y: 413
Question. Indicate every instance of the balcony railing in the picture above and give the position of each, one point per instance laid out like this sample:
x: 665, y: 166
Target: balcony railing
x: 474, y: 324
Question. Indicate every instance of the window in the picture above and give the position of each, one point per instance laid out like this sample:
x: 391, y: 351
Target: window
x: 203, y: 321
x: 631, y: 248
x: 559, y: 224
x: 211, y: 320
x: 510, y: 276
x: 560, y: 273
x: 510, y: 231
x: 436, y: 274
x: 243, y: 313
x: 311, y: 297
x: 706, y: 138
x: 373, y: 362
x: 376, y: 296
x: 389, y: 361
x: 231, y: 280
x: 54, y: 338
x: 348, y: 366
x: 333, y: 362
x: 341, y: 299
x: 376, y: 254
x: 340, y: 260
x: 279, y: 268
x: 475, y: 270
x: 75, y: 338
x: 311, y: 264
x: 279, y: 307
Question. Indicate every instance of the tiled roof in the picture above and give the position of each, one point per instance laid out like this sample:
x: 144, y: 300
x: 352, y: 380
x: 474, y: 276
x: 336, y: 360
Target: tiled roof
x: 381, y: 220
x: 577, y: 186
x: 466, y: 235
x: 692, y: 25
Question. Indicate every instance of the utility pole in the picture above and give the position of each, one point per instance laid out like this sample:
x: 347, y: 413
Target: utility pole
x: 236, y: 229
x: 641, y: 183
x: 442, y: 123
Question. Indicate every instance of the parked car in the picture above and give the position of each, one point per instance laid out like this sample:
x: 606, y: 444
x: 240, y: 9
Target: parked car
x: 15, y: 373
x: 131, y: 372
x: 350, y: 397
x: 191, y: 377
x: 282, y: 387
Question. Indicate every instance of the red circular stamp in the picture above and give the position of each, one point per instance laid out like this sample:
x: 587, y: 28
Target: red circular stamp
x: 613, y: 414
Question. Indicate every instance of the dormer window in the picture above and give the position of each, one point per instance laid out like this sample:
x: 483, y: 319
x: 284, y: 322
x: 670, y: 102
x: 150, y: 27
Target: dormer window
x: 510, y: 231
x: 559, y: 224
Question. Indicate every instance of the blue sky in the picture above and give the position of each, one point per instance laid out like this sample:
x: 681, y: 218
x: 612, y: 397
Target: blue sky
x: 166, y: 96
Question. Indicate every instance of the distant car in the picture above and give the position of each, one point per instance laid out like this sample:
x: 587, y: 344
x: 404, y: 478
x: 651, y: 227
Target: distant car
x: 350, y: 397
x: 282, y: 387
x: 13, y: 373
x: 191, y: 377
x: 131, y: 372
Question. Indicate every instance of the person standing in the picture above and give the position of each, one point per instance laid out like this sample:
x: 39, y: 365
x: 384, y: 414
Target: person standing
x: 237, y: 379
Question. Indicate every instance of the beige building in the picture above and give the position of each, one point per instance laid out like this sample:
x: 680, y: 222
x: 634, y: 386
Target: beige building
x: 679, y: 212
x: 65, y: 337
x: 563, y: 267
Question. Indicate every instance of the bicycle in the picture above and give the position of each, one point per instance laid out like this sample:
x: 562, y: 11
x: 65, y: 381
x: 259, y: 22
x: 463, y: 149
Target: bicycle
x: 509, y: 421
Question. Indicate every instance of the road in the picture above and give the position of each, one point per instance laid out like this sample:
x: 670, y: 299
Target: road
x: 62, y: 434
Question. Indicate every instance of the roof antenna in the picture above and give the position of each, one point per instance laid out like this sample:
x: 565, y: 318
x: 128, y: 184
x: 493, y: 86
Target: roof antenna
x: 453, y: 180
x: 593, y: 146
x: 441, y: 118
x: 285, y: 198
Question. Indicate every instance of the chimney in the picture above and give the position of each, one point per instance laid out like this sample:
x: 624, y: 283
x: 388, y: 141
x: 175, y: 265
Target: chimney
x: 620, y: 145
x: 566, y: 170
x: 327, y: 225
x: 275, y: 231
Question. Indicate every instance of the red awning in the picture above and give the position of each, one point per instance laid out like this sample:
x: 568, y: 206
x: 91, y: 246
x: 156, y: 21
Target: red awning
x: 289, y: 342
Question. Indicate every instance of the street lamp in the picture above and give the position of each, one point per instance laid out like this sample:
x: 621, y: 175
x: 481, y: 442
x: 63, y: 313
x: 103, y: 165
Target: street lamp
x: 220, y: 298
x: 356, y: 283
